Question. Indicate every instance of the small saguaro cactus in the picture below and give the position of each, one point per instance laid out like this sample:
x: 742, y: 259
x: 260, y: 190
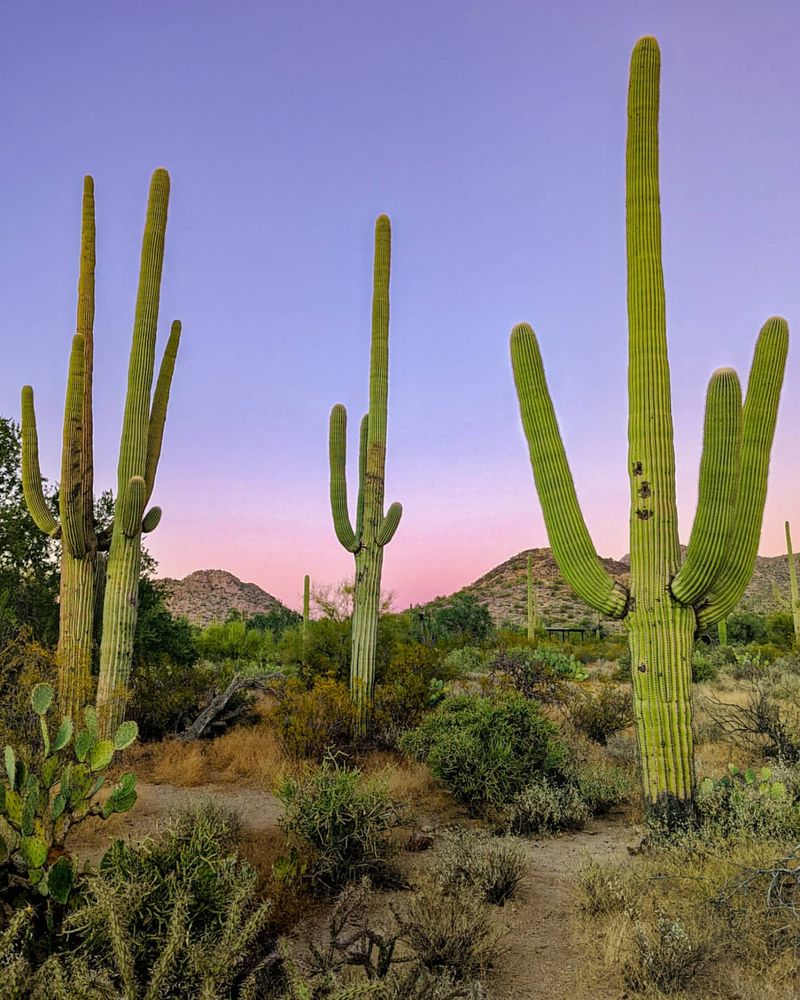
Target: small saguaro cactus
x: 140, y: 449
x: 793, y: 584
x: 40, y: 804
x: 722, y: 631
x: 306, y: 610
x: 533, y: 619
x: 666, y: 602
x: 373, y: 529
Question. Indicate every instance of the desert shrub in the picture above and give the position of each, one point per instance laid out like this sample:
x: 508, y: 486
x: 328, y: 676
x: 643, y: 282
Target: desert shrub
x: 600, y: 714
x: 310, y: 722
x: 746, y: 626
x: 602, y: 785
x: 466, y: 660
x: 604, y: 888
x: 545, y: 806
x: 666, y: 956
x: 418, y: 983
x: 335, y: 821
x: 762, y: 724
x: 704, y: 668
x: 459, y: 620
x: 452, y: 931
x: 491, y: 866
x: 485, y: 750
x: 762, y: 804
x: 539, y: 673
x: 234, y: 640
x: 780, y: 629
x: 411, y: 683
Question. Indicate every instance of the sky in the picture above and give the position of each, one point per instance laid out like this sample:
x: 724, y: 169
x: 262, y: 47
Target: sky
x: 493, y: 135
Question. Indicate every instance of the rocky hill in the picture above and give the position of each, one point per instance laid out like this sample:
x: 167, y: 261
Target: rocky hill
x: 504, y: 589
x: 209, y: 595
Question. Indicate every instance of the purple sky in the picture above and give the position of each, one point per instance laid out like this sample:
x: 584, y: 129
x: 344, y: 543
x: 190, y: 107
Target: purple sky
x: 493, y: 135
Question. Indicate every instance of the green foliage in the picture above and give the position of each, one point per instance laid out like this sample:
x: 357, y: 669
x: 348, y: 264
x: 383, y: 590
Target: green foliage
x: 667, y: 957
x: 456, y: 621
x: 780, y: 629
x: 310, y: 722
x: 486, y: 750
x: 28, y: 558
x: 23, y: 664
x: 336, y: 820
x: 493, y: 867
x: 745, y: 626
x: 276, y: 621
x: 44, y: 795
x: 547, y: 806
x: 235, y: 640
x: 159, y: 635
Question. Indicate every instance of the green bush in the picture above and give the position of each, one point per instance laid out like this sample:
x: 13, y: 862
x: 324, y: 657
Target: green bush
x: 763, y: 804
x: 603, y: 785
x: 485, y: 750
x: 335, y: 822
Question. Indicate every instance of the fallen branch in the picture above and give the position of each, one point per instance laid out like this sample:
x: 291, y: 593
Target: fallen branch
x: 216, y: 706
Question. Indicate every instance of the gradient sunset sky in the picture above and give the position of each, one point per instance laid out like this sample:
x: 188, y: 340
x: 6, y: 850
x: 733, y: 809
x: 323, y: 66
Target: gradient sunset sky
x: 493, y: 135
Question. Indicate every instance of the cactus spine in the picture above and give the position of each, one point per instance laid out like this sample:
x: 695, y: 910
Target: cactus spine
x: 533, y: 623
x: 75, y: 524
x: 666, y: 602
x: 373, y: 529
x: 793, y: 584
x: 140, y: 449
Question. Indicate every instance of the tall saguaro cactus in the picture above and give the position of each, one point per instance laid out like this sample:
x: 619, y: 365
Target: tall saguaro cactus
x: 373, y: 529
x: 793, y: 584
x: 75, y: 523
x: 140, y: 449
x: 667, y: 602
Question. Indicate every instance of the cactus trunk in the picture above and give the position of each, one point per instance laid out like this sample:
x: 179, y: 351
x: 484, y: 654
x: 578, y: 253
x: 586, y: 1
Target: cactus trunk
x: 666, y: 601
x: 373, y: 529
x: 793, y: 584
x: 722, y: 632
x: 532, y: 618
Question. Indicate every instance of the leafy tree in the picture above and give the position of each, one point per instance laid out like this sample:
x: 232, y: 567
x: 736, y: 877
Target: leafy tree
x: 158, y: 632
x: 461, y: 619
x: 28, y: 558
x: 276, y: 620
x: 780, y: 629
x: 745, y: 626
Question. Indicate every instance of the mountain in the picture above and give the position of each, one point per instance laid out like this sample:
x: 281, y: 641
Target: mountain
x: 504, y: 589
x: 209, y: 595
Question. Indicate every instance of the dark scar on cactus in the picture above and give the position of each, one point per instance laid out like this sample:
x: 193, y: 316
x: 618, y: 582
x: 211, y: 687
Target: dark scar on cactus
x: 644, y: 490
x: 642, y: 668
x: 643, y: 515
x: 637, y: 468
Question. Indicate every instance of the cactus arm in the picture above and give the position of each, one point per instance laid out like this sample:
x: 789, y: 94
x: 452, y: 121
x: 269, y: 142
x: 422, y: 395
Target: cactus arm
x: 136, y: 420
x: 71, y: 494
x: 719, y: 481
x: 131, y: 507
x: 85, y: 327
x: 337, y: 450
x: 158, y: 410
x: 31, y: 474
x: 654, y: 547
x: 758, y: 429
x: 572, y: 545
x: 363, y: 433
x: 151, y: 520
x: 390, y: 524
x: 795, y: 597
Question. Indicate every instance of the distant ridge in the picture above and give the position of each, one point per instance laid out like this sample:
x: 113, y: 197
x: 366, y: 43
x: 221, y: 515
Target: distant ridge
x: 504, y: 589
x: 209, y: 595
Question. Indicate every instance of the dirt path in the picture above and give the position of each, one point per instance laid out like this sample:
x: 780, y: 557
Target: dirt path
x: 546, y: 958
x: 546, y: 948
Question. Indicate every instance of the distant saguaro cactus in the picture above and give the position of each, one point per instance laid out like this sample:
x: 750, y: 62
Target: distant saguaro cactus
x: 666, y: 602
x: 533, y: 621
x: 722, y: 631
x: 793, y: 584
x: 306, y: 610
x: 373, y: 529
x: 140, y: 450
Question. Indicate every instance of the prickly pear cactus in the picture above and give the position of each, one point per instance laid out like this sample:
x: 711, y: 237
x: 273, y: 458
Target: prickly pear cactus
x: 41, y: 802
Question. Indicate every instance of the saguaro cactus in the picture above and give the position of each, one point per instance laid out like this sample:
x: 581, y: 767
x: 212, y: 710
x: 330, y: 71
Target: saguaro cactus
x: 140, y: 450
x: 306, y: 611
x: 533, y: 622
x: 793, y: 584
x: 75, y: 523
x: 373, y: 529
x: 666, y: 602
